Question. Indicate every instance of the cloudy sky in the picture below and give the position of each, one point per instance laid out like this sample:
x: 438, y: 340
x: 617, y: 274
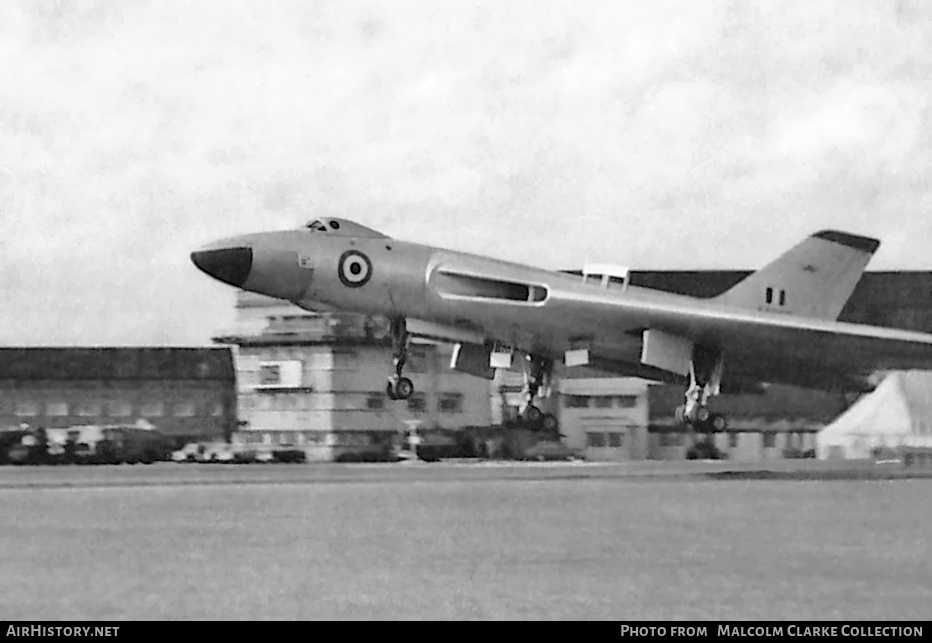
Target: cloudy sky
x: 656, y: 135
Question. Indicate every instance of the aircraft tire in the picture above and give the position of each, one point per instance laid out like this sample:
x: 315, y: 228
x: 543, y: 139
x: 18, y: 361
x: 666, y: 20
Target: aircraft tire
x: 718, y: 422
x: 390, y: 391
x: 404, y: 388
x: 699, y: 415
x: 532, y: 414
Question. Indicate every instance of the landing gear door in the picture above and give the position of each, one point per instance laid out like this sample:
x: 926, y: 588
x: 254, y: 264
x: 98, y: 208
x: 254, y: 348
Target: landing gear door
x: 665, y: 351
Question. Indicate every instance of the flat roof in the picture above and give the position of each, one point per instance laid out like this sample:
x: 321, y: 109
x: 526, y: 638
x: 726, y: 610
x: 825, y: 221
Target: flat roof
x: 116, y: 363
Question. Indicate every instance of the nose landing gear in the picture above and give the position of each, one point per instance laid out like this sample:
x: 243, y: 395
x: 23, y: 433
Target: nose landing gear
x: 399, y: 387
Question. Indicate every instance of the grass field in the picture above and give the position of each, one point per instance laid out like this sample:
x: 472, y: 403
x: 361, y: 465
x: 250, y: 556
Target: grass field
x: 396, y: 542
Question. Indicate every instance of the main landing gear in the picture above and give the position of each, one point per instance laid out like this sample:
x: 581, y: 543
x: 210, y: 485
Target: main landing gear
x: 538, y: 373
x: 705, y: 378
x: 399, y: 387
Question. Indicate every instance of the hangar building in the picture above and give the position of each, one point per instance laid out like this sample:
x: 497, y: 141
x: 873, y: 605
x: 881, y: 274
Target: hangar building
x: 777, y: 422
x: 184, y: 393
x: 901, y: 299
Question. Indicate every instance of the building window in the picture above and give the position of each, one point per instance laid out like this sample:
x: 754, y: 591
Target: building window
x: 26, y: 409
x: 603, y: 402
x: 626, y: 401
x: 616, y: 439
x: 770, y: 439
x: 56, y: 409
x: 417, y: 403
x: 87, y: 409
x: 451, y: 403
x: 152, y: 409
x: 375, y: 402
x: 119, y: 409
x: 595, y: 439
x: 217, y: 409
x: 286, y: 438
x: 185, y: 410
x: 732, y: 440
x: 314, y: 437
x: 270, y: 374
x: 576, y: 402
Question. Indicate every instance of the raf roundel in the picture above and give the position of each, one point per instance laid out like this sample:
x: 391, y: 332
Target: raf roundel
x: 354, y: 269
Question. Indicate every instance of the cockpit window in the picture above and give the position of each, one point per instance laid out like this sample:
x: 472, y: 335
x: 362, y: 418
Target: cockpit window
x: 316, y: 226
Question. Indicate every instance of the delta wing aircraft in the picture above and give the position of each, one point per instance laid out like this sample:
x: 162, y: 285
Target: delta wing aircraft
x: 777, y: 325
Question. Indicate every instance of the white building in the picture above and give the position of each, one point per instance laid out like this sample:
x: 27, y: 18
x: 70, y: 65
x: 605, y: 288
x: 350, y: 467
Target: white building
x: 606, y: 416
x: 603, y: 415
x: 317, y: 382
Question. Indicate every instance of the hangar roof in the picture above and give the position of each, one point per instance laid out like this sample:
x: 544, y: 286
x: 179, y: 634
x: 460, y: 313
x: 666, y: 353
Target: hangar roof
x: 156, y: 363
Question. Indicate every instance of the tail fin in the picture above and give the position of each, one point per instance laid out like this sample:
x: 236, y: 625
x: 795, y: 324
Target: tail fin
x: 814, y: 279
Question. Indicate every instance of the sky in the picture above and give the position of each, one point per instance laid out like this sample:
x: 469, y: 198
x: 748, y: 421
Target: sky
x: 661, y: 135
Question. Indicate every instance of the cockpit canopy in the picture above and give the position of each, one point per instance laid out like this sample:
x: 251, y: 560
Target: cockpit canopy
x: 342, y: 227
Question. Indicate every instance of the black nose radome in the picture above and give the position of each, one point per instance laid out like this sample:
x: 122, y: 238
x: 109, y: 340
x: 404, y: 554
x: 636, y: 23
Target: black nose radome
x: 229, y: 265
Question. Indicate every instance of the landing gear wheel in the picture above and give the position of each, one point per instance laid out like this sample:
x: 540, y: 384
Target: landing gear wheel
x: 399, y: 387
x: 549, y: 422
x: 718, y: 422
x: 697, y: 415
x: 403, y: 388
x: 532, y: 414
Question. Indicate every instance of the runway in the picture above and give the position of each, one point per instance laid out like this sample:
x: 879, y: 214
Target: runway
x: 461, y: 541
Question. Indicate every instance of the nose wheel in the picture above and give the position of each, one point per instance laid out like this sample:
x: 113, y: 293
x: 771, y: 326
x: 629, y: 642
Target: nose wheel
x: 399, y: 387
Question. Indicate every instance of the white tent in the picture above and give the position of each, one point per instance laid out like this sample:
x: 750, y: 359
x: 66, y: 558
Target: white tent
x: 897, y: 413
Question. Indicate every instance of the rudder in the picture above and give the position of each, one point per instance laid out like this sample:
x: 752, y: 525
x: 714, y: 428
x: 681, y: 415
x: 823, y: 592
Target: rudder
x: 814, y: 279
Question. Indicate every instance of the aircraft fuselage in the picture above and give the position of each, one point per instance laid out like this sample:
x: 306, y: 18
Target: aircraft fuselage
x: 479, y: 296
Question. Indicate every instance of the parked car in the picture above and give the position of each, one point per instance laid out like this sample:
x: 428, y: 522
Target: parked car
x: 188, y: 453
x: 264, y: 455
x: 220, y: 452
x: 552, y: 450
x: 289, y: 455
x: 244, y: 455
